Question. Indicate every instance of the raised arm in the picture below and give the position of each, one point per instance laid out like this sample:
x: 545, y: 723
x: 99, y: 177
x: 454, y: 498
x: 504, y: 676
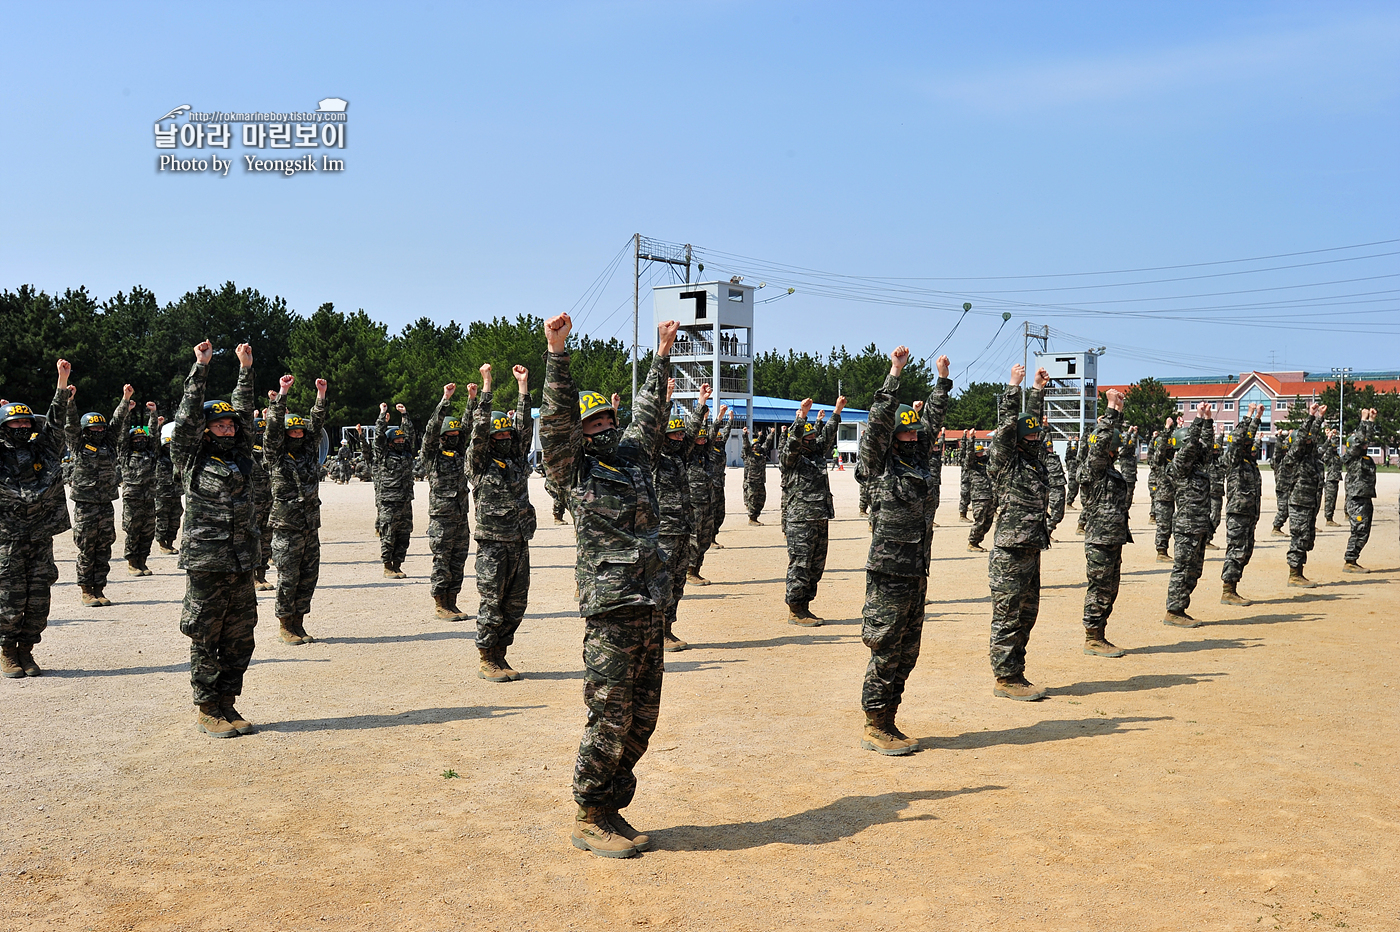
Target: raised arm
x: 524, y: 413
x: 936, y: 405
x: 880, y: 428
x: 561, y: 434
x: 792, y: 443
x: 432, y: 431
x: 649, y: 407
x: 1098, y: 456
x: 189, y: 418
x: 381, y: 428
x: 479, y: 453
x: 1004, y: 439
x: 1196, y: 444
x: 827, y: 442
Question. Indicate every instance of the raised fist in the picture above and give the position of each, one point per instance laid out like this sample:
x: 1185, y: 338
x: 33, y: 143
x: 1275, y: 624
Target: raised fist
x: 203, y: 353
x: 449, y: 390
x: 401, y: 409
x: 1018, y: 374
x: 244, y: 352
x: 285, y: 383
x: 556, y: 332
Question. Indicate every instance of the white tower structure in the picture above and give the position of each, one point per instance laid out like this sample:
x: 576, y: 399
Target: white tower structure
x: 715, y: 342
x: 1072, y: 394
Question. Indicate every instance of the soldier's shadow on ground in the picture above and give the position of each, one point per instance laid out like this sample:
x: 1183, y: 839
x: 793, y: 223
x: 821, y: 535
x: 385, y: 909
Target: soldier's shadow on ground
x: 843, y: 818
x: 1269, y: 619
x: 182, y: 667
x: 1133, y: 684
x: 1040, y: 732
x: 1186, y: 647
x: 462, y: 634
x: 1307, y: 596
x: 795, y: 640
x: 411, y: 717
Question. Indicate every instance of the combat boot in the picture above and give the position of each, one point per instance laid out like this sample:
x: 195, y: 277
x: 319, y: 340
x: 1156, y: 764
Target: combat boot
x: 450, y: 596
x: 799, y: 614
x: 670, y: 643
x: 717, y: 545
x: 624, y: 828
x: 1331, y: 523
x: 287, y: 632
x: 443, y: 611
x: 101, y: 599
x: 880, y: 738
x: 89, y: 597
x: 558, y: 520
x: 755, y: 522
x: 864, y: 512
x: 1096, y: 644
x: 398, y: 571
x: 1180, y: 620
x: 299, y: 626
x: 389, y: 571
x: 132, y: 569
x: 1351, y: 566
x: 593, y: 831
x: 1279, y: 533
x: 1210, y: 546
x: 9, y: 662
x: 167, y: 546
x: 1017, y: 687
x: 489, y: 670
x: 211, y: 721
x: 230, y: 714
x: 1297, y: 580
x: 504, y: 665
x: 1163, y: 557
x: 1228, y: 596
x: 1079, y: 529
x: 976, y: 548
x: 260, y: 582
x: 695, y: 579
x: 962, y: 516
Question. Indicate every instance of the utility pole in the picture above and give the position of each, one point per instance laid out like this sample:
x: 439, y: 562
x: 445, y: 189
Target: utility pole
x: 1026, y: 338
x: 655, y: 252
x: 1342, y: 374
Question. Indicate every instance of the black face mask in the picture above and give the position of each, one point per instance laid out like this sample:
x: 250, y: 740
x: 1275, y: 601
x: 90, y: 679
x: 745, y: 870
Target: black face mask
x: 602, y: 444
x: 398, y: 449
x: 500, y: 447
x: 16, y: 437
x: 672, y: 446
x: 452, y: 443
x: 222, y: 444
x: 906, y: 450
x: 139, y: 443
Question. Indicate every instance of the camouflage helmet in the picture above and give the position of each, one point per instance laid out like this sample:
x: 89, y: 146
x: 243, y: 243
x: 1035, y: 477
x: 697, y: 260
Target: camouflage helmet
x: 501, y: 421
x: 1026, y: 425
x: 259, y: 424
x: 137, y: 432
x: 676, y: 423
x: 292, y: 421
x: 591, y: 404
x: 450, y: 424
x: 808, y: 429
x: 392, y: 434
x: 92, y: 419
x: 1179, y: 436
x: 217, y: 410
x: 906, y: 418
x: 15, y: 411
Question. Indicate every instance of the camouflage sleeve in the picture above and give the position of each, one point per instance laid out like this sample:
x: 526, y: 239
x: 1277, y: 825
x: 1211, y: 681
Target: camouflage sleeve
x: 1194, y: 448
x: 406, y: 425
x: 1127, y: 456
x: 432, y: 431
x: 242, y: 398
x: 480, y: 450
x: 765, y: 445
x: 643, y: 435
x: 275, y: 434
x: 936, y: 407
x: 561, y: 434
x: 748, y: 447
x: 828, y: 441
x: 1099, y: 456
x: 121, y: 417
x: 72, y: 431
x: 123, y: 434
x: 728, y: 428
x: 1356, y: 443
x: 189, y: 418
x: 792, y: 443
x: 1299, y: 448
x: 318, y: 418
x: 1055, y: 499
x: 694, y: 423
x: 524, y: 427
x: 1004, y: 439
x: 879, y: 429
x: 153, y: 429
x: 381, y: 427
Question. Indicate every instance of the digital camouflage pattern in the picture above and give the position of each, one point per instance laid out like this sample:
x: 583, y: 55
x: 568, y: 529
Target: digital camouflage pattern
x: 1105, y: 514
x: 1014, y: 577
x: 892, y: 627
x: 296, y: 506
x: 1017, y: 471
x: 807, y: 505
x: 138, y: 458
x: 702, y: 494
x: 1305, y: 494
x: 93, y: 487
x: 981, y: 500
x: 218, y: 615
x: 1128, y: 462
x: 1159, y: 458
x: 1055, y: 477
x: 1190, y: 474
x: 1285, y: 470
x: 1217, y: 486
x: 1073, y: 454
x: 444, y: 460
x: 505, y: 521
x: 503, y: 584
x: 756, y: 473
x: 391, y: 467
x: 1244, y: 491
x: 170, y: 506
x: 1360, y: 489
x: 262, y: 496
x: 674, y: 514
x: 716, y: 465
x: 964, y: 476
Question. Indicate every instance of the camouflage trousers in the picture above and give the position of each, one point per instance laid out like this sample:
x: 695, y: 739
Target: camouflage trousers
x: 1188, y: 559
x: 1239, y: 546
x: 1302, y: 528
x: 717, y: 509
x: 755, y: 497
x: 297, y: 556
x: 965, y: 492
x: 1329, y: 499
x: 169, y: 510
x: 557, y: 496
x: 622, y: 676
x: 983, y: 513
x: 219, y: 614
x: 1103, y: 565
x: 893, y: 628
x: 395, y: 522
x: 1014, y: 576
x: 94, y: 533
x: 1071, y: 486
x: 677, y: 548
x: 139, y: 527
x: 1281, y: 496
x: 702, y: 534
x: 931, y: 506
x: 864, y: 498
x: 1359, y: 511
x: 262, y: 513
x: 27, y: 575
x: 449, y: 539
x: 503, y: 583
x: 1054, y: 516
x: 806, y: 546
x: 1216, y: 506
x: 1163, y: 509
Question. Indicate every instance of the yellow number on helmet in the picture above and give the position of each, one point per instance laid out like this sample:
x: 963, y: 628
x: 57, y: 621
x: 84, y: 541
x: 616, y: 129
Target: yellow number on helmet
x: 20, y: 409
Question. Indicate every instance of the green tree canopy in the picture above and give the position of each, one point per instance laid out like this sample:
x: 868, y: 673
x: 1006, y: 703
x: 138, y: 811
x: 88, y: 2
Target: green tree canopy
x: 1146, y: 406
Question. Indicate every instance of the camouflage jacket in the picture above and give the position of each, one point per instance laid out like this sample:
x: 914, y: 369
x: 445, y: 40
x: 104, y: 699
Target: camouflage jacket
x: 1307, y: 468
x: 262, y: 479
x: 1056, y: 481
x: 166, y: 483
x: 1159, y: 460
x: 1128, y: 463
x: 697, y: 468
x: 1103, y: 485
x: 220, y: 533
x: 1332, y: 462
x: 295, y: 469
x: 95, y: 458
x: 806, y: 486
x: 1191, y: 478
x: 899, y: 482
x: 756, y: 458
x: 979, y: 480
x: 670, y: 474
x: 139, y: 466
x: 501, y: 481
x: 935, y: 460
x: 1361, y: 469
x: 715, y: 461
x: 1285, y: 469
x: 930, y: 449
x: 612, y: 499
x: 393, y: 470
x: 449, y: 495
x: 1020, y: 484
x: 32, y: 505
x: 1242, y: 482
x: 1217, y: 470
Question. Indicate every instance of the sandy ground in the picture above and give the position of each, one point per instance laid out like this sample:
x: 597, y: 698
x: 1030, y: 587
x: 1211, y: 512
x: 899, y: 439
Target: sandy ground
x: 1237, y: 776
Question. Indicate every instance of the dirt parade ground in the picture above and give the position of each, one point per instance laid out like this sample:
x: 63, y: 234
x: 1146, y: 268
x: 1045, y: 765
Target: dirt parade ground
x: 1241, y: 775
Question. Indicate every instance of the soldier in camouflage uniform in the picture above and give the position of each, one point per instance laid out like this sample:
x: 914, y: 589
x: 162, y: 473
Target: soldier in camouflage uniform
x: 262, y: 502
x: 1332, y: 463
x: 137, y: 453
x: 1128, y: 462
x: 1105, y: 509
x: 1055, y: 476
x: 1017, y: 470
x: 621, y: 575
x: 212, y: 449
x: 93, y: 489
x: 937, y: 451
x: 702, y: 493
x: 756, y: 473
x: 1159, y: 483
x: 1243, y: 485
x: 32, y: 511
x: 1217, y: 489
x: 1305, y: 494
x: 1190, y: 472
x: 965, y: 444
x: 671, y: 477
x: 1071, y: 464
x: 170, y: 507
x: 292, y: 456
x: 499, y: 469
x: 896, y: 569
x: 1285, y: 470
x: 557, y: 498
x: 982, y: 502
x: 444, y: 455
x: 1360, y: 489
x: 717, y: 466
x: 391, y: 459
x: 807, y: 507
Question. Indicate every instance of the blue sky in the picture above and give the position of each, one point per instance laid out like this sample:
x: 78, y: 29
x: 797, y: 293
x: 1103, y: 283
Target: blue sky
x: 888, y: 160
